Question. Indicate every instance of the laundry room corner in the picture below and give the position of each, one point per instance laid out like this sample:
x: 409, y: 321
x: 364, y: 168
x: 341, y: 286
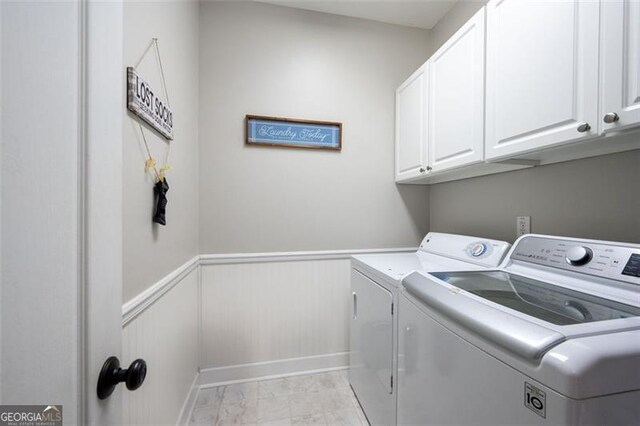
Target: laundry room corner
x: 269, y: 60
x: 247, y: 225
x: 277, y: 226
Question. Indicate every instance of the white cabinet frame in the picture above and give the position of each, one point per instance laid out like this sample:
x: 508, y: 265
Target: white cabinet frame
x: 619, y: 65
x: 411, y: 125
x: 456, y: 98
x: 537, y: 52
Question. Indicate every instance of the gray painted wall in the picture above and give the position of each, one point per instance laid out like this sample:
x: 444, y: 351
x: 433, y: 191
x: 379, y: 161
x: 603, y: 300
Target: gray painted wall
x: 590, y: 198
x: 152, y: 251
x: 270, y: 60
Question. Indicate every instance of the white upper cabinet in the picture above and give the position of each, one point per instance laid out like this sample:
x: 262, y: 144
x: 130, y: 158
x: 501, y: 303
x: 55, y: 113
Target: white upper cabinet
x: 620, y: 65
x: 542, y: 74
x: 456, y: 98
x: 523, y: 83
x: 411, y: 126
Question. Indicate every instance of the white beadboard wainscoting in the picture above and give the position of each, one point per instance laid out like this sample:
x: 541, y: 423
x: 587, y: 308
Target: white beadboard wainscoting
x: 236, y: 317
x: 163, y: 332
x: 262, y: 319
x: 274, y: 314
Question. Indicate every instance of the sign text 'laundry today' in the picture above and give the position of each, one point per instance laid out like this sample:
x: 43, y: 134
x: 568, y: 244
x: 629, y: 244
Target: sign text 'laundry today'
x: 293, y: 133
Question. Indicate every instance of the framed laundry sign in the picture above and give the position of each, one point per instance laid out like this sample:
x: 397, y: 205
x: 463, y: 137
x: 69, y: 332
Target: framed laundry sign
x: 293, y: 133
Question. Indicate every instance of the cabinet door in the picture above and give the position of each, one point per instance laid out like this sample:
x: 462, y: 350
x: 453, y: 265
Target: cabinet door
x: 620, y: 64
x: 456, y: 98
x: 411, y: 126
x: 542, y: 74
x: 371, y: 354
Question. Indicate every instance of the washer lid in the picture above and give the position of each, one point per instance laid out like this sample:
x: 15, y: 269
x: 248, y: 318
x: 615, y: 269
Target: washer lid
x: 594, y: 361
x: 516, y: 335
x: 542, y: 300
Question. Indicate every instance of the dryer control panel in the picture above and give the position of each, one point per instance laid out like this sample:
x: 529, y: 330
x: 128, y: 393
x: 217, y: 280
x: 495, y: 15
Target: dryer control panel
x: 600, y: 258
x: 480, y: 251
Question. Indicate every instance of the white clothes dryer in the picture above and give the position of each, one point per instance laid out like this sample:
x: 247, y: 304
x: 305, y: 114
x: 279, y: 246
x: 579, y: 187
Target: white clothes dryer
x: 375, y: 280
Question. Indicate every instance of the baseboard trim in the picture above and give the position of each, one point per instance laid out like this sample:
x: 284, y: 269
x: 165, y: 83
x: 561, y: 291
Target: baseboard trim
x: 144, y: 300
x: 211, y: 377
x: 189, y: 402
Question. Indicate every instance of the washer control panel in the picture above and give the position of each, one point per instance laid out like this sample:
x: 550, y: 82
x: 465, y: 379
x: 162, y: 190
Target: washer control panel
x: 579, y: 255
x: 594, y: 258
x: 632, y: 267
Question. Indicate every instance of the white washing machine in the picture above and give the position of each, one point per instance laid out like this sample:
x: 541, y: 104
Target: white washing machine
x: 552, y: 337
x: 375, y: 280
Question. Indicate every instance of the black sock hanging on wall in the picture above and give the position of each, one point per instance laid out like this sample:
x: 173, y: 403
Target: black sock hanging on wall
x: 160, y: 191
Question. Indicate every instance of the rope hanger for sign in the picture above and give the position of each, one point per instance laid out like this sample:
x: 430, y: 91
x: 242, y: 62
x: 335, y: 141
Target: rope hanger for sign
x: 150, y: 162
x: 151, y: 109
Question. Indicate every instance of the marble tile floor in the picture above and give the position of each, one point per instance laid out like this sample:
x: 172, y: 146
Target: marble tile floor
x: 317, y: 399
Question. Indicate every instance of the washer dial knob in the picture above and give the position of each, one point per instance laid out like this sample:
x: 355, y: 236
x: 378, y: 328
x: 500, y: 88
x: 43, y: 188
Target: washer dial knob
x: 478, y: 249
x: 579, y: 255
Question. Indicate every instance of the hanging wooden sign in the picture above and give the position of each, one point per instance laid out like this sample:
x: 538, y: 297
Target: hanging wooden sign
x: 143, y: 101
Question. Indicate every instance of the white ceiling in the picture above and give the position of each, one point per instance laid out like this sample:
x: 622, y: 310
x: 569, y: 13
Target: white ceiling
x: 412, y: 13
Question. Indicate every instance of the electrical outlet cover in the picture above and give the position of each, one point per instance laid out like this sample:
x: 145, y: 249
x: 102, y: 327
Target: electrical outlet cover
x: 523, y: 225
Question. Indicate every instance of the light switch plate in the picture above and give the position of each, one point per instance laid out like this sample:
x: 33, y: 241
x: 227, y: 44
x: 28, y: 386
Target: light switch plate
x: 523, y: 225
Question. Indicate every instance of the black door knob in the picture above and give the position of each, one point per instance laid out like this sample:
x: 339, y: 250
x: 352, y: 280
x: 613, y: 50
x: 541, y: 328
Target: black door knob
x: 111, y: 374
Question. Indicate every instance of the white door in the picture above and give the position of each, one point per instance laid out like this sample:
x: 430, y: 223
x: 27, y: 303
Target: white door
x: 411, y: 126
x: 620, y: 65
x: 542, y: 74
x: 61, y: 204
x: 371, y: 353
x: 456, y: 98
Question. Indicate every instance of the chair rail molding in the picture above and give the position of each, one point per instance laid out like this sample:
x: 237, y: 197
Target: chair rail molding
x: 148, y: 297
x: 293, y: 256
x: 144, y: 300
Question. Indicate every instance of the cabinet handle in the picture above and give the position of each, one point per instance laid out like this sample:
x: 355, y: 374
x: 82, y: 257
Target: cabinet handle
x: 584, y: 127
x: 355, y: 305
x: 611, y: 117
x: 429, y: 168
x: 422, y: 170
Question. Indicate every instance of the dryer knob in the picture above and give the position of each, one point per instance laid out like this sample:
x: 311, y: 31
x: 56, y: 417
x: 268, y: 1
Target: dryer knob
x: 579, y: 255
x: 478, y: 249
